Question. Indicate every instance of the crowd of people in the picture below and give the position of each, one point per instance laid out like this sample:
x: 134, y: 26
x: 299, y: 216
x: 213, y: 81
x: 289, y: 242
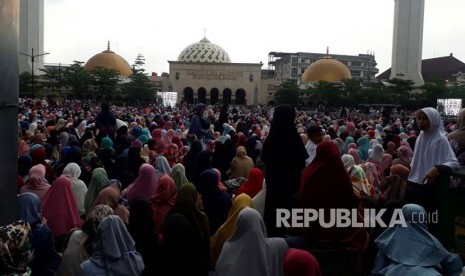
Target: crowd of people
x: 193, y: 190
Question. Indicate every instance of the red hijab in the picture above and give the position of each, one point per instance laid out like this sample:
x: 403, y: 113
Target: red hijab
x: 163, y: 200
x: 298, y: 262
x: 325, y: 184
x: 59, y: 207
x: 254, y: 183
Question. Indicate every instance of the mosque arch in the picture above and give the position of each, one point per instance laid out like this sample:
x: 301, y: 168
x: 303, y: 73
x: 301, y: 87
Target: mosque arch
x: 240, y: 96
x: 214, y: 94
x: 202, y: 95
x: 188, y: 94
x: 227, y: 96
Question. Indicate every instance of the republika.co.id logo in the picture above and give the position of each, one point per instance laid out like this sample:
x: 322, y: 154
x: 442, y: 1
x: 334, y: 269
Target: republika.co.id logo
x: 343, y: 218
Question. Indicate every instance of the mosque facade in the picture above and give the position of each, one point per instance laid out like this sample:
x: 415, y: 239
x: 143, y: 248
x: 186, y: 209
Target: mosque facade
x: 204, y: 73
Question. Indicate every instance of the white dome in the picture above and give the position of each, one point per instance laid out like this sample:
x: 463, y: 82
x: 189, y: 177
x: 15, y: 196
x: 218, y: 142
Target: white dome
x: 204, y: 51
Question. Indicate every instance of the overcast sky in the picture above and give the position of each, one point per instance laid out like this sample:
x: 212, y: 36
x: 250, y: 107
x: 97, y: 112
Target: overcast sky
x: 247, y: 29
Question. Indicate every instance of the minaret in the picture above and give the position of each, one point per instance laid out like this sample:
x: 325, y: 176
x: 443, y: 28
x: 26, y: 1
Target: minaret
x: 408, y: 40
x: 31, y: 34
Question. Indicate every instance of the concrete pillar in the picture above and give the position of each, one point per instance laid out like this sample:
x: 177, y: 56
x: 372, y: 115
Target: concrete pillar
x: 9, y: 91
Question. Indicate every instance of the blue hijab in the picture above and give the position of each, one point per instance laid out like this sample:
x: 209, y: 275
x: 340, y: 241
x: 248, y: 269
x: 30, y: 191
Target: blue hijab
x: 363, y: 147
x: 412, y: 250
x: 345, y: 148
x: 29, y: 208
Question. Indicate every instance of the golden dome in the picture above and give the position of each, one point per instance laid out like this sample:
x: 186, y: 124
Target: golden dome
x: 108, y: 59
x: 326, y: 69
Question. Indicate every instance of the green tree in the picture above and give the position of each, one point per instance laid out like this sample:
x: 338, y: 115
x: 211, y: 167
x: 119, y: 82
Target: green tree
x: 140, y: 86
x: 434, y: 90
x: 76, y: 78
x: 399, y: 90
x: 25, y: 83
x: 53, y: 78
x: 288, y: 93
x: 105, y: 80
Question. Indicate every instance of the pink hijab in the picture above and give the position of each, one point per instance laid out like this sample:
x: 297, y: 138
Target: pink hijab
x: 36, y: 184
x: 385, y: 164
x: 144, y: 186
x: 163, y: 200
x: 354, y: 153
x: 59, y: 207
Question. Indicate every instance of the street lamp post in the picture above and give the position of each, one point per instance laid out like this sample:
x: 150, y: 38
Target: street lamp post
x: 32, y: 56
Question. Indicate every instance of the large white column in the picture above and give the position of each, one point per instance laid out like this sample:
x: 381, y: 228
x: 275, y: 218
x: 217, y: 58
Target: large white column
x: 408, y: 40
x: 31, y: 34
x: 9, y: 87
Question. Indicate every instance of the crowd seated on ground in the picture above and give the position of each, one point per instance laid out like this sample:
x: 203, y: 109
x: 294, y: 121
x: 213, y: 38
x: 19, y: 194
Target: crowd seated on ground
x: 131, y: 190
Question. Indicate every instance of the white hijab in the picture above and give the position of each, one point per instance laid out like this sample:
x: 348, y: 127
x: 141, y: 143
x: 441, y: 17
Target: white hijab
x: 431, y: 148
x: 249, y: 251
x: 73, y: 171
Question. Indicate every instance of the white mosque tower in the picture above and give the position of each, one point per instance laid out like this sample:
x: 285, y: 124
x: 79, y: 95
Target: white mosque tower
x: 31, y: 34
x: 408, y: 40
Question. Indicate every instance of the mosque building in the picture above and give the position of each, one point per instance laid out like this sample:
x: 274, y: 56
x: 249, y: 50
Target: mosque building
x: 204, y: 73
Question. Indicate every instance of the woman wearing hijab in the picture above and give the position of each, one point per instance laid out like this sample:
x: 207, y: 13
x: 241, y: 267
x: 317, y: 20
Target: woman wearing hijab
x: 73, y: 171
x: 385, y: 165
x: 228, y: 228
x: 354, y: 153
x: 325, y: 175
x: 142, y: 231
x: 457, y: 137
x: 178, y: 174
x: 46, y: 259
x: 348, y: 161
x: 403, y: 157
x: 360, y: 182
x: 393, y: 186
x: 38, y: 156
x: 202, y: 163
x: 162, y: 201
x: 144, y: 186
x: 114, y: 251
x: 298, y: 262
x: 267, y: 258
x: 349, y: 140
x: 412, y: 250
x: 254, y: 183
x: 189, y: 159
x: 240, y: 165
x: 376, y: 155
x: 187, y: 204
x: 36, y: 183
x: 216, y: 203
x: 431, y: 149
x: 172, y: 154
x: 284, y: 157
x: 79, y: 245
x: 60, y: 209
x: 97, y: 182
x: 111, y: 196
x: 372, y: 173
x: 162, y: 167
x: 363, y: 146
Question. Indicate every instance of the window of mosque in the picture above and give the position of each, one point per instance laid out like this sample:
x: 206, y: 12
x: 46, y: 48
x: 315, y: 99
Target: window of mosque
x: 294, y: 61
x: 356, y: 63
